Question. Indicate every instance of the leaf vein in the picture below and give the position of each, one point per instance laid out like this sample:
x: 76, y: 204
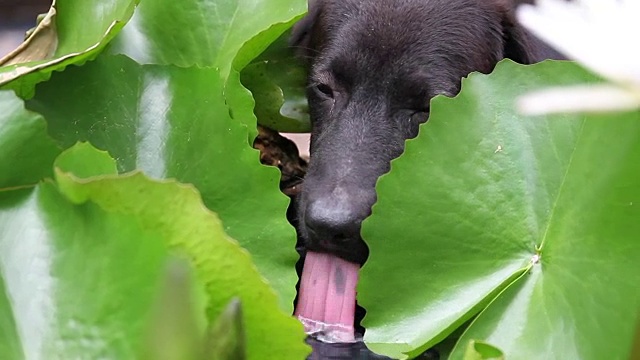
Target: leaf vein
x: 560, y: 190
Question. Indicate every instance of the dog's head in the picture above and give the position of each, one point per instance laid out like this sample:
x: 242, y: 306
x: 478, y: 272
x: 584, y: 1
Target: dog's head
x: 374, y: 66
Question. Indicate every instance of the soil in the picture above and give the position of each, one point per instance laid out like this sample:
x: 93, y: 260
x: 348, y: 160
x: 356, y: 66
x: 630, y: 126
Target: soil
x: 279, y: 151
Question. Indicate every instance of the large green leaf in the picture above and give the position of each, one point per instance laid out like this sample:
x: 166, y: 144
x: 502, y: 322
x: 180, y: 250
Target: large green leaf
x: 75, y: 31
x: 191, y: 230
x: 208, y: 33
x: 483, y: 194
x: 172, y: 122
x: 225, y: 35
x: 78, y: 278
x: 26, y: 151
x: 118, y: 229
x: 581, y: 300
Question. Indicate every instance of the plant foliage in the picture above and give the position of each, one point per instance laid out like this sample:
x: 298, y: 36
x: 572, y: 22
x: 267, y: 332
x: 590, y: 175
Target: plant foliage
x: 137, y: 222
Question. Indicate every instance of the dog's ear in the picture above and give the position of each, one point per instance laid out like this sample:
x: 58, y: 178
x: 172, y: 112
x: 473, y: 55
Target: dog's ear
x: 519, y: 45
x: 302, y: 33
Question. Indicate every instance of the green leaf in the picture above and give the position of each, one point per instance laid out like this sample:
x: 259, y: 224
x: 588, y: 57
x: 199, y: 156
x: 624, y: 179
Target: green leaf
x: 172, y: 122
x: 478, y: 350
x: 220, y: 34
x: 120, y: 230
x: 68, y: 271
x: 484, y: 193
x: 176, y: 211
x: 85, y: 161
x: 74, y: 31
x: 225, y: 35
x: 26, y: 151
x: 96, y: 19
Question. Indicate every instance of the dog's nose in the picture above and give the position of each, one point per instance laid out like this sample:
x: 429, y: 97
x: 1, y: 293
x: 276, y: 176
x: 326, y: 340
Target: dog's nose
x: 333, y: 220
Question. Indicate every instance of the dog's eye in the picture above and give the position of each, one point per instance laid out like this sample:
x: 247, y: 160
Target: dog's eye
x: 324, y: 90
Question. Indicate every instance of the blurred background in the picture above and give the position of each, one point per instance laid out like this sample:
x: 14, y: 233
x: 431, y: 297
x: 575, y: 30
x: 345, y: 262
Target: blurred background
x: 16, y: 17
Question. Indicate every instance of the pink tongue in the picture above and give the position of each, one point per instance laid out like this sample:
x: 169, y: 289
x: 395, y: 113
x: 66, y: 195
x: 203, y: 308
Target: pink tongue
x: 327, y: 301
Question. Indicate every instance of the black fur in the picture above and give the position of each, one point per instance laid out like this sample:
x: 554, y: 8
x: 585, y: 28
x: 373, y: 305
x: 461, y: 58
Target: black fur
x: 374, y: 66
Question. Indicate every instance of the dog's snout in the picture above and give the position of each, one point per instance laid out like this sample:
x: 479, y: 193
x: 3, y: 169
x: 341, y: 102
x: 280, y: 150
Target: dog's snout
x: 332, y: 224
x: 333, y: 220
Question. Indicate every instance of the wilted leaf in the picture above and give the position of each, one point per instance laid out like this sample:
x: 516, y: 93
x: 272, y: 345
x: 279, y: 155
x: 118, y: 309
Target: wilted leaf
x: 82, y: 29
x: 40, y: 44
x: 483, y: 193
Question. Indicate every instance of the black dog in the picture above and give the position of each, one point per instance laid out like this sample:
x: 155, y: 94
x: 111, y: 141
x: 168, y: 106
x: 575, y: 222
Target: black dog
x: 374, y: 66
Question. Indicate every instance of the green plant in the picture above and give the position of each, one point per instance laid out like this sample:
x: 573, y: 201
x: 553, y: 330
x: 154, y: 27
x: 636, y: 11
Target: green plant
x: 126, y: 169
